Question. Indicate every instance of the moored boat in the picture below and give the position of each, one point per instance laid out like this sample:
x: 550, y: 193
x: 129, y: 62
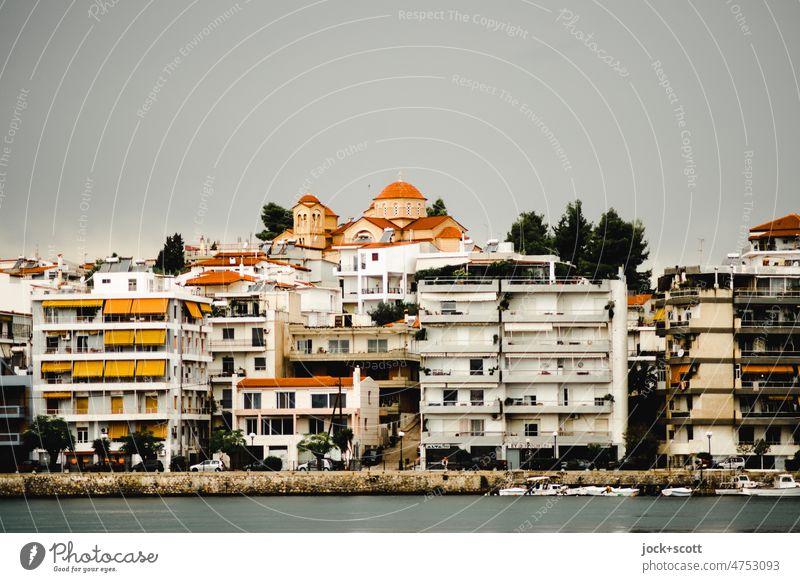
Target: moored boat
x: 784, y: 485
x: 676, y: 492
x: 736, y: 486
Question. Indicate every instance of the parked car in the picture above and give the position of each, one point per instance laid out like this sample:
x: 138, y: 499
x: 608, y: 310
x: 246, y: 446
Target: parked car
x: 327, y: 465
x: 179, y: 463
x: 31, y: 466
x: 268, y: 464
x: 731, y: 463
x: 211, y: 465
x: 148, y: 466
x: 103, y: 468
x: 372, y: 457
x: 578, y: 465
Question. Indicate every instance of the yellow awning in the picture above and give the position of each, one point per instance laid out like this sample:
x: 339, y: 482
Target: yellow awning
x: 56, y: 366
x: 72, y: 303
x: 194, y: 310
x: 760, y: 369
x: 151, y: 337
x: 57, y: 394
x: 149, y: 306
x: 205, y: 307
x: 117, y: 307
x: 659, y: 316
x: 117, y: 430
x: 120, y: 368
x: 158, y: 430
x: 150, y: 368
x: 118, y: 337
x: 91, y: 369
x: 676, y: 372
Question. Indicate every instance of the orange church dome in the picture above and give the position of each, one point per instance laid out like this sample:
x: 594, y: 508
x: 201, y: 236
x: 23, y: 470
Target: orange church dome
x: 309, y: 199
x: 400, y: 189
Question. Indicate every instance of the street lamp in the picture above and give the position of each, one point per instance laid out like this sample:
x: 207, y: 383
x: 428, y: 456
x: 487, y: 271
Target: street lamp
x: 252, y: 436
x: 709, y: 434
x: 401, y: 434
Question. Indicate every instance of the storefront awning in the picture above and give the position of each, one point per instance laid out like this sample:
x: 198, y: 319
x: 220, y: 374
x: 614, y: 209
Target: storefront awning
x: 151, y: 337
x: 118, y: 337
x: 120, y: 368
x: 149, y: 306
x: 150, y: 368
x: 205, y: 307
x: 72, y: 303
x: 659, y: 315
x: 761, y: 369
x: 194, y: 309
x: 91, y: 369
x: 117, y: 307
x: 56, y: 367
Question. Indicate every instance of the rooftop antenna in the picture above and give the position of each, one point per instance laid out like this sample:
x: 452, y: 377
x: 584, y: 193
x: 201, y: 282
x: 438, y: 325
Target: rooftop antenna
x: 702, y: 240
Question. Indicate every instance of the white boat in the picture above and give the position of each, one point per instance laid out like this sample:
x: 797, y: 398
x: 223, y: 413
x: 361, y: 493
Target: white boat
x: 736, y: 486
x: 586, y: 490
x: 544, y: 486
x: 620, y: 492
x: 784, y: 485
x: 512, y: 492
x: 676, y: 492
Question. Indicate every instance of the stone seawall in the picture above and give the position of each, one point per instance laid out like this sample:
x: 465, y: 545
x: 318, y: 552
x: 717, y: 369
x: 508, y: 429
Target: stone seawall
x: 326, y: 483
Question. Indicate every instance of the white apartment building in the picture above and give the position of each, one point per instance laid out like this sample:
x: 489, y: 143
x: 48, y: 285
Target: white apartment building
x: 276, y: 413
x: 375, y: 272
x: 521, y: 366
x: 131, y: 354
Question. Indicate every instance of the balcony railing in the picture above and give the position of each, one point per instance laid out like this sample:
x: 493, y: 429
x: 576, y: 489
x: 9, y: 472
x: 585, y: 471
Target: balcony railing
x: 231, y: 343
x: 768, y: 384
x: 10, y: 438
x: 766, y: 293
x: 769, y: 323
x: 10, y: 411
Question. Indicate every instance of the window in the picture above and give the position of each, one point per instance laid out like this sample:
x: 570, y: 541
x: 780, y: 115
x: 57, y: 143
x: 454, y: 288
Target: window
x: 251, y: 426
x: 476, y: 367
x: 260, y: 364
x: 689, y: 403
x: 448, y: 307
x: 227, y: 365
x: 227, y: 333
x: 304, y: 346
x: 82, y: 432
x: 131, y: 284
x: 531, y: 429
x: 258, y: 337
x: 277, y: 425
x: 374, y: 256
x: 530, y: 399
x: 52, y: 343
x: 106, y: 281
x: 773, y: 435
x: 316, y: 425
x: 339, y: 346
x: 83, y: 343
x: 746, y: 435
x: 377, y: 345
x: 690, y: 433
x: 449, y: 397
x: 476, y: 427
x: 566, y: 396
x: 252, y: 400
x: 285, y: 399
x: 476, y: 397
x: 227, y: 398
x: 327, y: 400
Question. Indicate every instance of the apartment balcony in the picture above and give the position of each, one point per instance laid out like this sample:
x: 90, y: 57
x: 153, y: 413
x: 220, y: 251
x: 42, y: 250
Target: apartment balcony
x: 237, y: 318
x: 129, y: 349
x: 557, y: 377
x: 234, y: 345
x: 565, y: 439
x: 107, y: 415
x: 767, y: 326
x: 470, y: 316
x: 457, y: 285
x: 769, y: 387
x: 765, y: 297
x: 336, y: 356
x: 559, y: 408
x: 689, y: 296
x: 478, y: 438
x: 564, y: 318
x: 12, y: 411
x: 430, y: 347
x: 10, y: 439
x: 561, y: 285
x: 398, y: 383
x: 457, y: 377
x: 769, y: 357
x: 556, y: 346
x: 459, y: 408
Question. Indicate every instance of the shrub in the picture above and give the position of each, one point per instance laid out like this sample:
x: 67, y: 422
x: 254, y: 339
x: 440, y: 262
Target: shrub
x: 273, y: 463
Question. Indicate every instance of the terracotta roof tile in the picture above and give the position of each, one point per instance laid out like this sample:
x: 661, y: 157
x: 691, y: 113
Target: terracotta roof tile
x: 400, y: 189
x: 219, y: 278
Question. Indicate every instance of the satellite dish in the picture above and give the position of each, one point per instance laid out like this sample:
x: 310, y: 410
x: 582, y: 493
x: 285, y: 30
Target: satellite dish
x: 680, y: 352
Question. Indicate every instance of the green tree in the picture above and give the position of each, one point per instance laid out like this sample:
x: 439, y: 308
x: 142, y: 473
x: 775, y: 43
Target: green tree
x: 142, y: 443
x: 343, y: 438
x: 102, y: 448
x: 230, y: 442
x: 437, y: 208
x: 384, y: 313
x: 571, y: 236
x: 48, y: 433
x: 641, y: 445
x: 276, y: 219
x: 614, y: 243
x: 530, y: 234
x: 319, y: 445
x: 170, y: 259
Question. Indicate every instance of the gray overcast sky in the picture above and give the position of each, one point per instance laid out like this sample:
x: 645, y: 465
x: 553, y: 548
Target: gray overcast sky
x: 125, y: 122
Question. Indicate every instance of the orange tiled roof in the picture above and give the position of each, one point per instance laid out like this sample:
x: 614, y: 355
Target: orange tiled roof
x: 400, y: 189
x: 219, y: 278
x: 379, y: 245
x: 639, y: 299
x: 29, y: 270
x: 225, y: 261
x: 313, y: 382
x: 450, y: 232
x: 427, y: 222
x: 253, y: 253
x: 309, y: 199
x: 788, y: 225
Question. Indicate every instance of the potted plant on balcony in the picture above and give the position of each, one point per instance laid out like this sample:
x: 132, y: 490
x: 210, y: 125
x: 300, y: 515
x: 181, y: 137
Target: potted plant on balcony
x: 608, y: 398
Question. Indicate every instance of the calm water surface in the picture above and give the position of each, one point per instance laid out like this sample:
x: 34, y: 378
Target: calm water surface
x: 401, y: 514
